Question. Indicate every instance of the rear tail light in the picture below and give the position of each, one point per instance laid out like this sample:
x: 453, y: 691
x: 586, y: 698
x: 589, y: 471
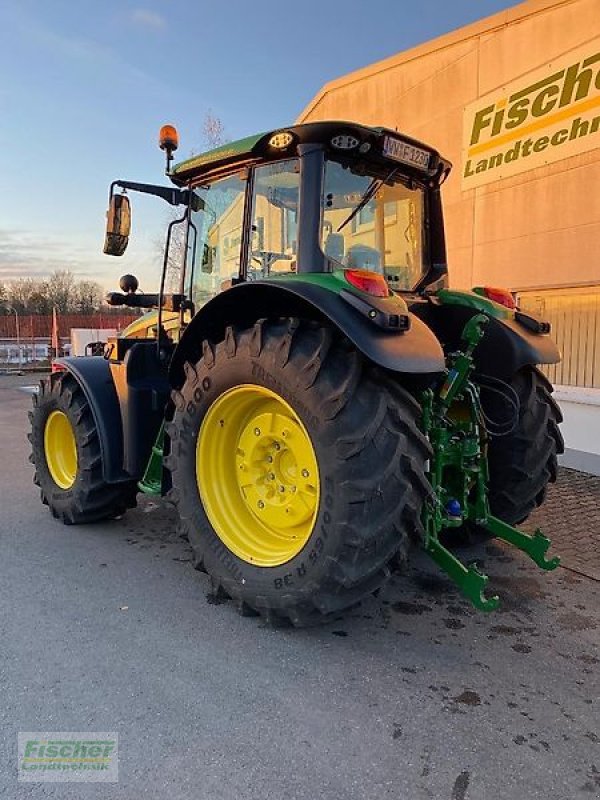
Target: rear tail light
x: 54, y: 367
x: 370, y: 282
x: 502, y: 296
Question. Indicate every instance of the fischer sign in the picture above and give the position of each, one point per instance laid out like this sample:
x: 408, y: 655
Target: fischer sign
x: 548, y: 115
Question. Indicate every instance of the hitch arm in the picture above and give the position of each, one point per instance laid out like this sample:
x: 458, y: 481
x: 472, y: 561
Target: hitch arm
x: 535, y: 546
x: 470, y: 581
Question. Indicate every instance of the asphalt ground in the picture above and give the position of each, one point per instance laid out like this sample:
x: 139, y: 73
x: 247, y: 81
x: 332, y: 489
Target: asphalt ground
x: 413, y: 695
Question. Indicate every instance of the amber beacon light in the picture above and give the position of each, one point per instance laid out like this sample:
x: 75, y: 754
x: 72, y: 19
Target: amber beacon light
x: 168, y: 140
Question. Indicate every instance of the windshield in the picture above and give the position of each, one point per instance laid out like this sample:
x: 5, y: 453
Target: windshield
x: 374, y: 224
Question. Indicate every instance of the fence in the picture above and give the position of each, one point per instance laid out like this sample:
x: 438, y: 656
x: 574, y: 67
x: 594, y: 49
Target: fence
x: 33, y: 343
x: 37, y: 326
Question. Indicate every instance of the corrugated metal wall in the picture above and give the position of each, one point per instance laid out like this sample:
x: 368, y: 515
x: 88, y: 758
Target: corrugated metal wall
x: 575, y: 318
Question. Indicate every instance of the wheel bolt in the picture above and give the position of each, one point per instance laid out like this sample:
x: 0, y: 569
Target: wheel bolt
x: 261, y: 504
x: 270, y: 459
x: 257, y: 431
x: 282, y: 488
x: 271, y: 476
x: 305, y: 473
x: 292, y: 488
x: 276, y: 445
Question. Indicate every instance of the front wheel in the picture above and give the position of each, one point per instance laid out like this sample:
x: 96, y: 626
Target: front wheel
x: 67, y: 457
x: 297, y: 474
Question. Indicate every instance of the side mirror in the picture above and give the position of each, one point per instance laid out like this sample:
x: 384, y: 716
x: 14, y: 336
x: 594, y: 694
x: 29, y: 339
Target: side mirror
x: 118, y: 225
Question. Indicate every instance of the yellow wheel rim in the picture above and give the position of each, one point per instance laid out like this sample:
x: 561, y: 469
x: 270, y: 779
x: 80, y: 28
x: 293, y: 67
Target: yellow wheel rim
x: 257, y: 475
x: 60, y: 449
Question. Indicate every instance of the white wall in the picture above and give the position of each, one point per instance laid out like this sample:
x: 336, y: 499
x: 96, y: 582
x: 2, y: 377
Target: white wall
x: 581, y: 427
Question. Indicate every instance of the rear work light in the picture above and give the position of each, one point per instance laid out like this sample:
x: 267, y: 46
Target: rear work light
x: 502, y: 296
x: 370, y: 282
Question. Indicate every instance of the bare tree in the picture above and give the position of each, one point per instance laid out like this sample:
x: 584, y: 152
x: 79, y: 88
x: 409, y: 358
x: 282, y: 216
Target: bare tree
x: 39, y: 302
x: 19, y: 292
x: 213, y: 131
x: 61, y: 290
x: 88, y: 296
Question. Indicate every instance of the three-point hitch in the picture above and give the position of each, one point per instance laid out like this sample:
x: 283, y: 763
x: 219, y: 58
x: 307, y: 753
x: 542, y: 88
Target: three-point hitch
x: 454, y: 423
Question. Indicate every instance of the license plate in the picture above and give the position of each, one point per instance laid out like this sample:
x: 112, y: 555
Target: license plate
x: 405, y: 152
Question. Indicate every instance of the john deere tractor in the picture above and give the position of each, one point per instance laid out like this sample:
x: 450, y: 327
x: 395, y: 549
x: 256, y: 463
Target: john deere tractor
x: 313, y: 398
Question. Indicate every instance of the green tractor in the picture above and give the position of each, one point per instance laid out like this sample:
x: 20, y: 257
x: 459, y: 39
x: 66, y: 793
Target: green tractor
x: 313, y: 399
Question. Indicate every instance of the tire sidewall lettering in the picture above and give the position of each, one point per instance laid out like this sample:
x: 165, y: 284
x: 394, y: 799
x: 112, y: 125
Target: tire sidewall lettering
x: 265, y: 378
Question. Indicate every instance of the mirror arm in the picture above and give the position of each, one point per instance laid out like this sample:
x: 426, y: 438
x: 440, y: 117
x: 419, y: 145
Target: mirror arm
x: 176, y: 197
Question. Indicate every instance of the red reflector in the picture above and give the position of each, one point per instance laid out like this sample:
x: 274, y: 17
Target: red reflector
x: 54, y: 367
x: 502, y: 296
x: 367, y: 281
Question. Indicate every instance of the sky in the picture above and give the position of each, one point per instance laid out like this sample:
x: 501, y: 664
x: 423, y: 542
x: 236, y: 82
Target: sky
x: 86, y: 85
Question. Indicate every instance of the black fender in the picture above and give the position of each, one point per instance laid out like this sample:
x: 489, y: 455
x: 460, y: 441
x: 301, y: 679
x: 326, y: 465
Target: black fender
x: 93, y: 375
x: 506, y: 347
x: 414, y: 351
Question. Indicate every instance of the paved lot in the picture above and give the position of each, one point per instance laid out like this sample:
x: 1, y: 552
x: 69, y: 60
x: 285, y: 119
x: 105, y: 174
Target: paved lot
x: 572, y: 516
x: 414, y: 695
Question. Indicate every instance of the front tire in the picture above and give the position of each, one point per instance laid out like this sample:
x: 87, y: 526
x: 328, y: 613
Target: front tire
x: 67, y: 458
x: 524, y: 462
x: 358, y: 462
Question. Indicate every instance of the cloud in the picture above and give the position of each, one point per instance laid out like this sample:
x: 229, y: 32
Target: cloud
x: 148, y: 19
x: 28, y: 254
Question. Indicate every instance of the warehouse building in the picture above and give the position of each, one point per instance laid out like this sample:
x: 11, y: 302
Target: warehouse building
x: 513, y: 101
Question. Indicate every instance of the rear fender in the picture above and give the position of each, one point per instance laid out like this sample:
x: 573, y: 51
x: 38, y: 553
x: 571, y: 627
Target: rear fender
x: 415, y: 351
x: 507, y: 345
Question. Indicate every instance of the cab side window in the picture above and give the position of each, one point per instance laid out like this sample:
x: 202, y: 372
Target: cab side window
x: 274, y: 219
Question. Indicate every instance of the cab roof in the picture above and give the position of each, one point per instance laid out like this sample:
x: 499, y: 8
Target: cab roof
x: 379, y: 146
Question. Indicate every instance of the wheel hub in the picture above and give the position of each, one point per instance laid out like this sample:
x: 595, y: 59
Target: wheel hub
x: 273, y: 470
x: 257, y: 475
x: 60, y: 449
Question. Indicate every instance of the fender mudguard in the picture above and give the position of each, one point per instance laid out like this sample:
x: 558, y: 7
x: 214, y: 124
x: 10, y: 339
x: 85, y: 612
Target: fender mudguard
x: 506, y: 347
x: 93, y: 375
x: 414, y: 351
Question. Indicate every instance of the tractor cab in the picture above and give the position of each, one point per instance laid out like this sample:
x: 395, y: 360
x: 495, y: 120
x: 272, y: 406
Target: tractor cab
x: 321, y: 198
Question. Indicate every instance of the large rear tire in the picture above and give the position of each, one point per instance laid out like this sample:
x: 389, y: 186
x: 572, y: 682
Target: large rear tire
x: 67, y: 458
x: 522, y: 463
x: 284, y: 409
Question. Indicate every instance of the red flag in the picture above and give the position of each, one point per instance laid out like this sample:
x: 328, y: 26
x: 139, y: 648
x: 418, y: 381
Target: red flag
x: 55, y: 335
